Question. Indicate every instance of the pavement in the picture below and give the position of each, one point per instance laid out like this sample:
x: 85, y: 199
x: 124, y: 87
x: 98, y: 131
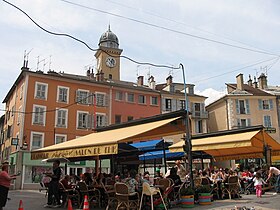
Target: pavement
x: 35, y: 200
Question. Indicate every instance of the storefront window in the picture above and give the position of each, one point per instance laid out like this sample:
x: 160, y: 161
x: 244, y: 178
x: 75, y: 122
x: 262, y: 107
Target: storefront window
x: 35, y: 174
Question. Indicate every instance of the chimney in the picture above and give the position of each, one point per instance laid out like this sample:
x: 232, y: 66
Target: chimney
x: 88, y: 73
x: 101, y: 76
x: 169, y: 80
x: 250, y: 82
x: 98, y: 76
x: 190, y: 89
x: 152, y: 83
x: 262, y: 81
x: 255, y: 85
x: 140, y: 80
x: 239, y: 81
x: 91, y: 76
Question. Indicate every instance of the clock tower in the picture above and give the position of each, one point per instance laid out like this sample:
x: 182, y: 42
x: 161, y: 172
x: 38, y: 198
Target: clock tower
x: 108, y: 56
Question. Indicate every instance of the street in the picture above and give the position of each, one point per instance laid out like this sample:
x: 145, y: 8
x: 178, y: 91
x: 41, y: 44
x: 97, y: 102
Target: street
x: 34, y: 200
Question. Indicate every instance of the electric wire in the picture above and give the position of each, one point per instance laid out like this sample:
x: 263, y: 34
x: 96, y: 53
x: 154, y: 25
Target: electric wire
x: 84, y: 43
x: 168, y: 29
x: 181, y: 23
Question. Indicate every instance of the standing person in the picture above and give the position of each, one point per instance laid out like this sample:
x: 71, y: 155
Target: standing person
x: 181, y: 171
x: 274, y: 171
x: 258, y: 182
x: 5, y: 182
x: 54, y: 186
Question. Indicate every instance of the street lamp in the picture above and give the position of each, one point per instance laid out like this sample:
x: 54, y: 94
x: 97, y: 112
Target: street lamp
x: 188, y: 143
x: 24, y: 146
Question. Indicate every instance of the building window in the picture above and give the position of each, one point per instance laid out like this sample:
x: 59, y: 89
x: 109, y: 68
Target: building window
x: 242, y: 106
x: 168, y: 106
x: 61, y: 118
x: 197, y: 110
x: 242, y: 123
x: 142, y: 99
x: 198, y: 126
x: 59, y: 138
x: 41, y: 90
x: 62, y: 94
x: 130, y: 97
x: 182, y: 104
x: 82, y: 97
x: 129, y: 118
x: 19, y: 115
x: 37, y: 140
x: 100, y: 99
x: 118, y: 119
x: 265, y: 104
x: 110, y: 76
x: 154, y: 100
x: 119, y: 95
x: 267, y: 121
x: 21, y: 92
x: 101, y: 120
x: 83, y: 120
x: 39, y: 115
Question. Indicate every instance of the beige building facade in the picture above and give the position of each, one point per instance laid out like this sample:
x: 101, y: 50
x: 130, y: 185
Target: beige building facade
x: 245, y: 105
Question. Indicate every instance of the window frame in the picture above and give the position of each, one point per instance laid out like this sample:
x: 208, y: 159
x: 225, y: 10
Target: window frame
x: 36, y: 90
x: 34, y: 113
x: 77, y: 121
x: 127, y: 98
x: 119, y: 93
x: 80, y: 101
x: 152, y: 100
x: 144, y: 99
x: 58, y: 94
x: 56, y: 118
x: 32, y: 137
x: 61, y: 135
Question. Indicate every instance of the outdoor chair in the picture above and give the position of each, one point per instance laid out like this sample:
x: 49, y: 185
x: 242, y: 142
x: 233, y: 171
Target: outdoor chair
x: 213, y: 187
x: 164, y: 183
x: 151, y: 191
x: 69, y: 194
x: 232, y: 187
x: 124, y: 198
x: 93, y: 195
x: 110, y: 199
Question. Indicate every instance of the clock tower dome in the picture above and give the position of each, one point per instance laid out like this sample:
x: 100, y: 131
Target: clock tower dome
x: 108, y: 56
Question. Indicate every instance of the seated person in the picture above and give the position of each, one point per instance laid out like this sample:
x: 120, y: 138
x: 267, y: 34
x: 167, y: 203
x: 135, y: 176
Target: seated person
x: 132, y: 184
x: 66, y: 182
x: 174, y: 176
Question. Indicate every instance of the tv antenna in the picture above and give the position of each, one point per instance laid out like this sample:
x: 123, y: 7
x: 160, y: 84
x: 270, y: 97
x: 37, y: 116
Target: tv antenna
x: 25, y: 58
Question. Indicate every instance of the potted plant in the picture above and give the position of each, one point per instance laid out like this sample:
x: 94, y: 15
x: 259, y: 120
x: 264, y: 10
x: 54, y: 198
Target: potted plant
x: 204, y: 194
x: 187, y: 197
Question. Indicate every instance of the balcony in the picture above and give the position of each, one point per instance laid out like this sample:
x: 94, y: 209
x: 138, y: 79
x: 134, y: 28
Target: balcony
x: 200, y: 115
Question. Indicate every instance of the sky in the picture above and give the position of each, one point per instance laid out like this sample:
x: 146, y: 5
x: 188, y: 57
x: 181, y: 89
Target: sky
x: 214, y: 40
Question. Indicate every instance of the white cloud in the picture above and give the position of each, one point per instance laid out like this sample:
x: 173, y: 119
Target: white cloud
x: 212, y: 94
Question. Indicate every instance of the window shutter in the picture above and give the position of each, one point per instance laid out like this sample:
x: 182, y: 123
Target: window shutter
x: 80, y: 120
x: 247, y: 106
x: 260, y: 104
x: 77, y: 96
x: 248, y: 122
x: 196, y: 127
x: 191, y: 107
x: 173, y: 104
x: 270, y: 104
x: 105, y: 122
x: 163, y: 104
x: 106, y: 100
x: 178, y: 104
x: 237, y: 107
x: 89, y: 121
x: 90, y: 98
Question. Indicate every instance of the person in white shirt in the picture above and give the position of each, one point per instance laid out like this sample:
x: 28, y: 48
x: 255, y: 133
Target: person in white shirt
x: 258, y: 182
x: 274, y: 171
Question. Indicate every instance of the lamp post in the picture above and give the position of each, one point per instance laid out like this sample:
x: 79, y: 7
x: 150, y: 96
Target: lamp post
x: 20, y: 168
x: 188, y: 143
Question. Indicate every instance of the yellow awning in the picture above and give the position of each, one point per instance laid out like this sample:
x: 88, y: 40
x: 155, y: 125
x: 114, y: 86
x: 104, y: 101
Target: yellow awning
x: 106, y: 142
x: 232, y: 146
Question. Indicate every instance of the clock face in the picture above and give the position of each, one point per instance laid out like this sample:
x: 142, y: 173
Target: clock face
x: 110, y: 62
